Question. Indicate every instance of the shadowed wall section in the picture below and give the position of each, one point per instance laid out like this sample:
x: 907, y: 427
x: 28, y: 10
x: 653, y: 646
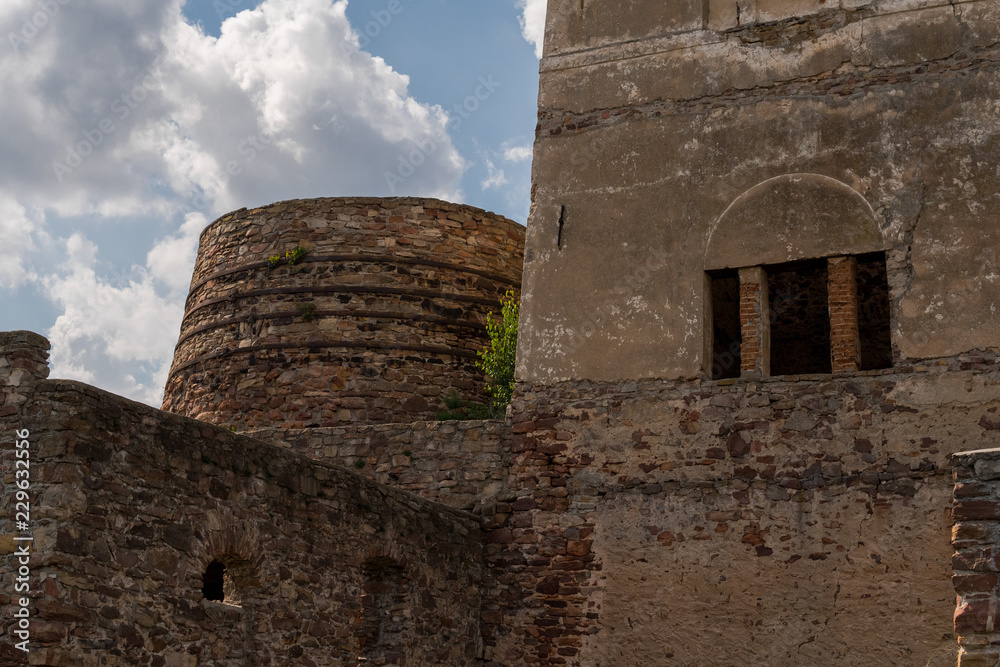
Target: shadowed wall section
x: 134, y: 511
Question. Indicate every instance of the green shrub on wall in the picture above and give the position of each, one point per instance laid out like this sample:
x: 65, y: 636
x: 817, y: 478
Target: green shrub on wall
x: 292, y: 257
x: 457, y: 408
x: 497, y: 360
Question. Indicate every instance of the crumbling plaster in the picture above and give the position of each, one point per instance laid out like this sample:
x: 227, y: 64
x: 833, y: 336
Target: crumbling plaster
x: 897, y: 103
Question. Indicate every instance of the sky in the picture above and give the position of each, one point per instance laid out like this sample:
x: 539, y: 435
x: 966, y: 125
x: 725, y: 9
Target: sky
x: 129, y: 125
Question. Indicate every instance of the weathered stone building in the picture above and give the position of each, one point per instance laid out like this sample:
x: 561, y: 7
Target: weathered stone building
x: 759, y: 324
x: 802, y: 198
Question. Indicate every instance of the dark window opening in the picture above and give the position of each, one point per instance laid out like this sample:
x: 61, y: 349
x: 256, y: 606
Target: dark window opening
x: 800, y: 318
x: 874, y: 312
x: 213, y: 582
x: 800, y: 326
x: 726, y: 335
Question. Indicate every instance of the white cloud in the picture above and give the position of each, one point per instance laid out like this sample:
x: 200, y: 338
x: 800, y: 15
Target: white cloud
x: 287, y: 101
x: 119, y: 110
x: 80, y: 253
x: 533, y: 22
x: 119, y: 107
x: 102, y: 323
x: 517, y: 153
x: 496, y: 177
x: 73, y: 94
x: 171, y: 260
x: 19, y: 229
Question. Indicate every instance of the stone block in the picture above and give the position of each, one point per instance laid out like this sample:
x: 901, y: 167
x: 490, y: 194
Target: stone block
x: 976, y: 510
x: 988, y: 470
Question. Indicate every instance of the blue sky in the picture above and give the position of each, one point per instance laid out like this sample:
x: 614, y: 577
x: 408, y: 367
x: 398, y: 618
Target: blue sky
x: 121, y: 117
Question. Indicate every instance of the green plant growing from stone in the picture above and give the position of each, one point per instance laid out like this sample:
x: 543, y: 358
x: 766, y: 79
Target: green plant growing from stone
x: 295, y: 255
x: 291, y: 257
x: 457, y: 408
x: 497, y: 360
x: 307, y: 311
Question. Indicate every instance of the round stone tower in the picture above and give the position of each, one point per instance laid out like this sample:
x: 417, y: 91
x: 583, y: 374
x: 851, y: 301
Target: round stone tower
x: 322, y: 312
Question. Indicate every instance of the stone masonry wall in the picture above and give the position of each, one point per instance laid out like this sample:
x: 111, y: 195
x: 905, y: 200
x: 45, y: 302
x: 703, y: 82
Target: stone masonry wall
x: 380, y: 321
x: 598, y: 25
x: 681, y: 109
x: 461, y: 464
x: 324, y: 567
x: 794, y: 520
x: 976, y: 538
x: 25, y: 360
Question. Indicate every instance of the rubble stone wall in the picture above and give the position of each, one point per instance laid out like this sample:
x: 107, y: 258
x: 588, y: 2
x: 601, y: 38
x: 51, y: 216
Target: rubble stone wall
x: 662, y: 518
x: 795, y: 520
x: 379, y: 322
x: 23, y: 362
x: 976, y: 539
x: 461, y: 464
x: 131, y: 504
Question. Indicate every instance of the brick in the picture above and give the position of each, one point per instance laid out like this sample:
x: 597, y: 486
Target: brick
x: 975, y: 583
x: 975, y: 510
x: 971, y: 617
x: 843, y: 308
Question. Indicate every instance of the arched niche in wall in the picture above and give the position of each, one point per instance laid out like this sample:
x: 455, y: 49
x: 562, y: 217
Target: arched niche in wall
x: 226, y: 578
x: 793, y: 217
x: 385, y: 613
x: 231, y: 559
x: 796, y: 282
